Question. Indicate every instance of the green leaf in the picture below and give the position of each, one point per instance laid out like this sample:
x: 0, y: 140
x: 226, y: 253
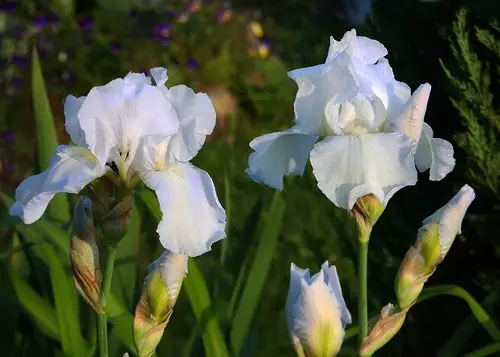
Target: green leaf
x: 488, y: 350
x: 122, y: 328
x: 197, y: 292
x: 63, y: 289
x: 271, y: 225
x: 456, y: 343
x: 38, y: 309
x: 58, y: 208
x: 481, y: 315
x: 149, y: 200
x: 65, y: 295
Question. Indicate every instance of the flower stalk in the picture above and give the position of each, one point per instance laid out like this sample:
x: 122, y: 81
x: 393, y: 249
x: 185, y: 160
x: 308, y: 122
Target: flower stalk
x: 362, y: 290
x: 102, y: 318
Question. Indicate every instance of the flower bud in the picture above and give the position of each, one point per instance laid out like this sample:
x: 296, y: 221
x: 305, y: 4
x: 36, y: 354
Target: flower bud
x: 446, y: 223
x: 411, y: 278
x: 434, y: 241
x: 383, y: 330
x: 159, y: 294
x: 316, y: 312
x: 84, y: 255
x: 366, y: 211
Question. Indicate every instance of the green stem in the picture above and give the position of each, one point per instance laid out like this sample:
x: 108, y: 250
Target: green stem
x: 485, y: 351
x: 362, y: 295
x: 102, y: 319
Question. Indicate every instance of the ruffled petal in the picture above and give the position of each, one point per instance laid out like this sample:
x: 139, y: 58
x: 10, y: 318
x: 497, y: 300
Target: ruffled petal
x: 411, y: 119
x: 348, y: 167
x: 118, y: 114
x: 192, y: 217
x: 362, y: 49
x: 197, y: 120
x: 72, y: 106
x: 434, y: 154
x: 159, y: 74
x: 318, y: 85
x: 279, y: 154
x: 71, y: 168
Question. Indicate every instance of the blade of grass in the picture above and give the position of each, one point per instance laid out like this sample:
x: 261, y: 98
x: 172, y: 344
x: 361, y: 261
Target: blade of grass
x: 456, y: 343
x: 64, y: 294
x: 271, y: 225
x: 37, y: 309
x: 488, y: 350
x: 63, y: 289
x: 197, y: 292
x: 58, y: 208
x: 481, y: 315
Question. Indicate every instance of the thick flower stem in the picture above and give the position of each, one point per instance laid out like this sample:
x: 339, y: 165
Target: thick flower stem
x: 362, y: 283
x: 102, y: 319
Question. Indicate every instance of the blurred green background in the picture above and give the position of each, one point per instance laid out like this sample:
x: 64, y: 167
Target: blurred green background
x: 239, y: 53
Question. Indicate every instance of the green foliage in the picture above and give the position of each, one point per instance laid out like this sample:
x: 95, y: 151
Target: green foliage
x: 46, y: 135
x: 474, y: 100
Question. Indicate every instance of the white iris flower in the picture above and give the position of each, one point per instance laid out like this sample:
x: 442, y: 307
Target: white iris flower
x: 371, y: 124
x: 138, y: 130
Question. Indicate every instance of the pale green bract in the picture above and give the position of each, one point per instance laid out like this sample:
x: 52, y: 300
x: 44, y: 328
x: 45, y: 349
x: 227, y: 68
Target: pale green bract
x: 132, y: 129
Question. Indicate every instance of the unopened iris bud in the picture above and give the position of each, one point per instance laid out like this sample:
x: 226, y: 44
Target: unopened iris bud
x: 84, y: 255
x: 366, y: 211
x: 383, y: 330
x: 435, y: 238
x: 159, y: 294
x: 316, y: 312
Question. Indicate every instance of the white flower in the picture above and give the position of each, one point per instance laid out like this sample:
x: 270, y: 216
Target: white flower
x: 433, y: 154
x: 132, y: 128
x: 371, y: 122
x: 449, y: 219
x: 316, y: 312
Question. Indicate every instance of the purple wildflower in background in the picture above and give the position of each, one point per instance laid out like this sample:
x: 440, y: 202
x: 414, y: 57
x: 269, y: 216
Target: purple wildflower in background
x: 19, y: 61
x: 224, y: 16
x: 40, y: 22
x: 115, y: 47
x: 16, y: 82
x: 8, y: 7
x: 194, y: 6
x: 66, y: 75
x: 192, y: 64
x: 8, y: 137
x: 85, y: 24
x: 162, y: 33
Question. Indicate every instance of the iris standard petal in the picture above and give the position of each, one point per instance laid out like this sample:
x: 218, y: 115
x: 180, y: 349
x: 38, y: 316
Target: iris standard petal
x: 434, y: 154
x: 381, y: 162
x: 279, y: 154
x: 72, y: 106
x: 192, y: 217
x: 119, y: 113
x: 196, y: 116
x: 71, y: 168
x: 410, y: 120
x: 318, y: 85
